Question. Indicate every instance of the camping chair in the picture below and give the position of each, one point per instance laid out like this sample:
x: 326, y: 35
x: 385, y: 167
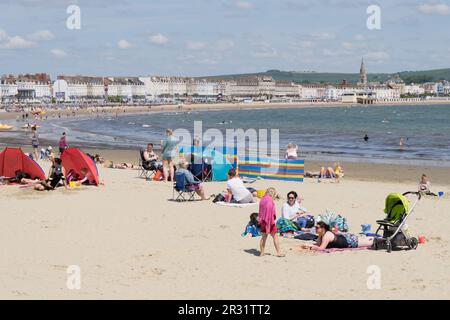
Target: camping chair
x: 145, y: 171
x: 201, y: 171
x: 181, y: 192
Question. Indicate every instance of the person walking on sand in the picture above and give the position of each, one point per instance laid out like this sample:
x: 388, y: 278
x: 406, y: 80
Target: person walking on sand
x: 267, y: 218
x: 63, y: 143
x: 168, y: 154
x: 35, y: 142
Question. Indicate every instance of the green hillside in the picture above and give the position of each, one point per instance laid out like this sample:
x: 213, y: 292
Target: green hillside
x: 335, y: 78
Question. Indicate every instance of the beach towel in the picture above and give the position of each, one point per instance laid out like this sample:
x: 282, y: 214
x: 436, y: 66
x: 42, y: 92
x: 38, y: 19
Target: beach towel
x: 252, y: 229
x: 236, y: 205
x: 332, y: 250
x: 285, y: 226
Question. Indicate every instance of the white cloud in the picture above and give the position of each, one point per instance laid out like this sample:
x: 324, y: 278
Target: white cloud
x: 324, y: 36
x: 123, y: 44
x: 377, y: 56
x: 58, y: 53
x: 158, y: 39
x: 434, y: 8
x: 14, y: 42
x: 353, y: 45
x: 265, y: 50
x: 196, y: 45
x: 42, y: 35
x: 224, y: 45
x: 245, y: 5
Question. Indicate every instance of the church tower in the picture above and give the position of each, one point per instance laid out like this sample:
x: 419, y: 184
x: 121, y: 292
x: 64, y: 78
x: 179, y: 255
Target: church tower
x: 362, y: 74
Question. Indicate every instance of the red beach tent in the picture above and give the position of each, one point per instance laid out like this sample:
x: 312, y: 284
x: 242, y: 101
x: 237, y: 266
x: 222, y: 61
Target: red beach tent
x: 13, y: 159
x: 75, y: 159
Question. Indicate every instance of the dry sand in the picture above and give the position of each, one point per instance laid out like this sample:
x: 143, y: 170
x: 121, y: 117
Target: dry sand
x: 131, y: 241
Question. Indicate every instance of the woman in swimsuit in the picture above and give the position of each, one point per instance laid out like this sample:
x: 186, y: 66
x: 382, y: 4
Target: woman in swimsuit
x: 330, y: 240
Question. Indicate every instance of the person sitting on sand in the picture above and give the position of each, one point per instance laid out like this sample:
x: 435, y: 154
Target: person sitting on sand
x: 56, y: 176
x: 293, y: 211
x: 291, y: 152
x: 267, y: 218
x: 191, y: 182
x: 237, y: 192
x: 252, y: 228
x: 329, y: 240
x: 327, y: 173
x: 425, y: 185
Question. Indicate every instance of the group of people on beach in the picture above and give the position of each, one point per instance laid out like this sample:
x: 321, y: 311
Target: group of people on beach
x: 264, y: 223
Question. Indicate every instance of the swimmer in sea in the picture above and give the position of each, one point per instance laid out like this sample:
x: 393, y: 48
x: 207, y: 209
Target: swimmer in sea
x: 366, y: 138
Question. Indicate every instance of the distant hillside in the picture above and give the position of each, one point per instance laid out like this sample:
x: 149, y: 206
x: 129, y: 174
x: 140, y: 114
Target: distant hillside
x: 335, y: 78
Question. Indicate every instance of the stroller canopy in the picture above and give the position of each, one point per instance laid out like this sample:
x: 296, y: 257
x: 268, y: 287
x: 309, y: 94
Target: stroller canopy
x: 13, y: 159
x: 74, y: 159
x: 396, y: 206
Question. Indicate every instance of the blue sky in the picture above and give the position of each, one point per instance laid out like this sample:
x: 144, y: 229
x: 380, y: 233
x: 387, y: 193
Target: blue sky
x: 209, y: 37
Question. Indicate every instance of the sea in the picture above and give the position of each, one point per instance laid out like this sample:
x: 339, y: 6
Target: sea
x: 321, y: 133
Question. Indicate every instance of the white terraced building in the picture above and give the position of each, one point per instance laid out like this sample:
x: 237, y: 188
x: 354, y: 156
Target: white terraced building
x: 79, y: 88
x: 25, y: 88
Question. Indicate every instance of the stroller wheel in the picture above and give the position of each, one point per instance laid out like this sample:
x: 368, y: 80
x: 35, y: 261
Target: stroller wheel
x: 388, y: 246
x: 413, y: 243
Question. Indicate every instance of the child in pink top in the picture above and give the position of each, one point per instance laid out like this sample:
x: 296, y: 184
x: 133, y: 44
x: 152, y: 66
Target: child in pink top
x: 267, y: 220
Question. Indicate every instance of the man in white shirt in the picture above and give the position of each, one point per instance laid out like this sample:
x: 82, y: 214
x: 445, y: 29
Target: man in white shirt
x: 235, y: 186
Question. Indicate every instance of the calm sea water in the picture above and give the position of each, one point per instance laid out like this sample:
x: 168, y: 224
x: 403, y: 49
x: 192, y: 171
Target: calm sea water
x: 321, y: 133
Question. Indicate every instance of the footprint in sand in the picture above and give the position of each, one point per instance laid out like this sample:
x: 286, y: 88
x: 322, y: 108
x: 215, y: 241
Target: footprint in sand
x: 158, y: 271
x: 19, y: 293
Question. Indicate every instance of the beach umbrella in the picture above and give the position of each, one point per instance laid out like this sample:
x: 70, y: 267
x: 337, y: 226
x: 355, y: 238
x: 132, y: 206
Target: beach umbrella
x: 75, y: 159
x: 13, y: 159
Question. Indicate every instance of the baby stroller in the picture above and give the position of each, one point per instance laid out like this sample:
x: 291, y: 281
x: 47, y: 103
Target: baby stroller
x: 395, y: 231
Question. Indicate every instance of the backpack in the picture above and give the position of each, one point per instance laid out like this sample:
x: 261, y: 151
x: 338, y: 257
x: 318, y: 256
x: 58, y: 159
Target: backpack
x: 219, y: 198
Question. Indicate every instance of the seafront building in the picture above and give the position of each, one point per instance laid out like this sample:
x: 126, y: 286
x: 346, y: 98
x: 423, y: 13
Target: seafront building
x: 38, y: 88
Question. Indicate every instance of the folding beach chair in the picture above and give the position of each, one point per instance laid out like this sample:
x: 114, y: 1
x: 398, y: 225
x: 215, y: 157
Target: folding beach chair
x: 146, y: 171
x: 201, y: 171
x: 181, y: 192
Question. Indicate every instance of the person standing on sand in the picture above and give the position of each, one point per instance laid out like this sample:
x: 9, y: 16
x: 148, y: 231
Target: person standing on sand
x: 63, y: 143
x: 267, y: 218
x: 168, y: 154
x: 35, y: 142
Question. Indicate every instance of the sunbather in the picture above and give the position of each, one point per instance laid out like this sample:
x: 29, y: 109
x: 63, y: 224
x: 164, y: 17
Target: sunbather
x: 123, y: 165
x: 56, y: 177
x: 329, y: 240
x: 327, y: 173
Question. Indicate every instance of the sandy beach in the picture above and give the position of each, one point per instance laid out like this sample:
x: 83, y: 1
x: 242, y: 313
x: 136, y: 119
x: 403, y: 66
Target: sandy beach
x: 131, y: 241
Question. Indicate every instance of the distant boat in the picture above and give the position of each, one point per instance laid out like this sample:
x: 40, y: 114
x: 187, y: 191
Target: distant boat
x: 5, y: 127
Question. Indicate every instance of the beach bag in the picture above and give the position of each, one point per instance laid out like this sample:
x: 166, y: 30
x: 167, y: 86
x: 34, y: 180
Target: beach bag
x: 219, y: 198
x: 157, y: 176
x: 306, y: 222
x: 341, y: 223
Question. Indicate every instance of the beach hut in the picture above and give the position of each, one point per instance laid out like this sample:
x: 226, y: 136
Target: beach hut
x: 75, y: 159
x: 13, y: 159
